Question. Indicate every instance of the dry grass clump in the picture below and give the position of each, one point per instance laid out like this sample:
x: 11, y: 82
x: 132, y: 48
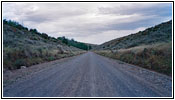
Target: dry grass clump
x: 14, y: 58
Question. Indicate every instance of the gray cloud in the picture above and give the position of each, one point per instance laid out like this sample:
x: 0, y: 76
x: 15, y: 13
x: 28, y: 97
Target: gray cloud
x: 164, y: 9
x: 88, y: 22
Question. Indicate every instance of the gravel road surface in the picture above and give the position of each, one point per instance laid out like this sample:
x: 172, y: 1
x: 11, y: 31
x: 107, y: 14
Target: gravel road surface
x: 91, y: 75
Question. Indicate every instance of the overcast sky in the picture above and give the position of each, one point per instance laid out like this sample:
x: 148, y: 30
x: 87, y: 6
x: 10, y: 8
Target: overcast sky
x: 88, y: 22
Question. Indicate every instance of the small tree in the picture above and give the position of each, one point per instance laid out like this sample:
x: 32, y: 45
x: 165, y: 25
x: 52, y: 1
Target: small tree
x: 4, y: 21
x: 64, y: 40
x: 45, y: 36
x: 34, y: 30
x: 72, y: 40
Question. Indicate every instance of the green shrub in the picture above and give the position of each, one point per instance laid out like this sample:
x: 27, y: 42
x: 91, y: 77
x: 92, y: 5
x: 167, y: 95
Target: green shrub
x: 51, y: 58
x: 19, y: 62
x: 8, y: 64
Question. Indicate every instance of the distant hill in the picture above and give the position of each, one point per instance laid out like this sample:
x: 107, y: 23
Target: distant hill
x: 80, y: 45
x: 156, y: 34
x: 24, y: 47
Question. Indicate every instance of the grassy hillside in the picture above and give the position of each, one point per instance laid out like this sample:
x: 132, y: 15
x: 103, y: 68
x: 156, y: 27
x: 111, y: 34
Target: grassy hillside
x: 151, y: 48
x: 157, y: 57
x: 24, y: 47
x: 156, y: 34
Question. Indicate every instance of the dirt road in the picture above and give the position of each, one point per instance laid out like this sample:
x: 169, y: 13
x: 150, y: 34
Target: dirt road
x: 91, y: 75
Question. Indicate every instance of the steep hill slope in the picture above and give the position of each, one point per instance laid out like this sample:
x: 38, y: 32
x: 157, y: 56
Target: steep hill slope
x: 23, y: 47
x: 158, y: 33
x: 151, y: 48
